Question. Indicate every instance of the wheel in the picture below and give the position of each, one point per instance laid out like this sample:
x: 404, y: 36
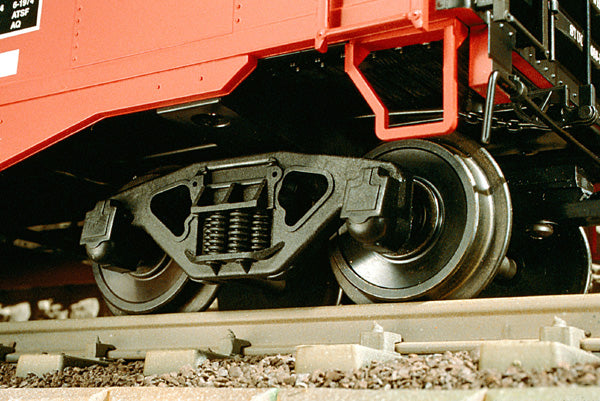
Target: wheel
x: 157, y: 286
x: 459, y: 234
x: 558, y: 264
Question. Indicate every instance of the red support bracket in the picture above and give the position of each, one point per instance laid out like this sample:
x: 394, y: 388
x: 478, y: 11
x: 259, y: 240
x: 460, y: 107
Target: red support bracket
x: 453, y: 33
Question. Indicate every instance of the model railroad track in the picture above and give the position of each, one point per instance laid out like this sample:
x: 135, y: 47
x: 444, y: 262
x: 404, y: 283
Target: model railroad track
x: 424, y: 327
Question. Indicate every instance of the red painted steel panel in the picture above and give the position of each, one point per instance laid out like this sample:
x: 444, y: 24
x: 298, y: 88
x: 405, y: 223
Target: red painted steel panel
x: 250, y: 14
x: 352, y: 12
x: 531, y: 73
x: 92, y: 59
x: 481, y: 65
x: 132, y: 27
x: 45, y: 52
x: 66, y: 113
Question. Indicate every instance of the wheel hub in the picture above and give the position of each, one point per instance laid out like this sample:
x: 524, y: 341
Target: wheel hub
x: 428, y: 217
x: 459, y: 233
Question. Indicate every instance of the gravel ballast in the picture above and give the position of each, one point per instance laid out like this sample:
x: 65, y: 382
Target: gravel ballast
x: 439, y: 371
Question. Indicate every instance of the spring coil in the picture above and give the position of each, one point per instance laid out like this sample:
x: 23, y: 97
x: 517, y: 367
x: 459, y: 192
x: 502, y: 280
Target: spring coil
x: 215, y: 234
x: 260, y: 237
x: 239, y: 231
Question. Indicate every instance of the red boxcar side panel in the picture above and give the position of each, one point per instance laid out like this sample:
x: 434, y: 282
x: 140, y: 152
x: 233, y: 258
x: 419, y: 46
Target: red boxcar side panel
x: 125, y: 26
x: 92, y: 59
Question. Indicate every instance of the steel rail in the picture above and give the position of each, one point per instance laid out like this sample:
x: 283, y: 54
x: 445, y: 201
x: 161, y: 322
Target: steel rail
x: 280, y: 330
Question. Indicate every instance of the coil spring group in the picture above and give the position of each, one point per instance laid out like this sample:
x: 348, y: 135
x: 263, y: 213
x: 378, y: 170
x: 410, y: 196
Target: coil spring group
x: 236, y: 231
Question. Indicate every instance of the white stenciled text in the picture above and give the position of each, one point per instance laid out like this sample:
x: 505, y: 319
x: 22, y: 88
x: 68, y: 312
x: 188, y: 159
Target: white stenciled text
x: 22, y: 3
x: 20, y: 13
x: 576, y: 34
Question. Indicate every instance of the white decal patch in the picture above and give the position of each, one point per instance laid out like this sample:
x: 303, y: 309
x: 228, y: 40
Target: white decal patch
x: 9, y: 61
